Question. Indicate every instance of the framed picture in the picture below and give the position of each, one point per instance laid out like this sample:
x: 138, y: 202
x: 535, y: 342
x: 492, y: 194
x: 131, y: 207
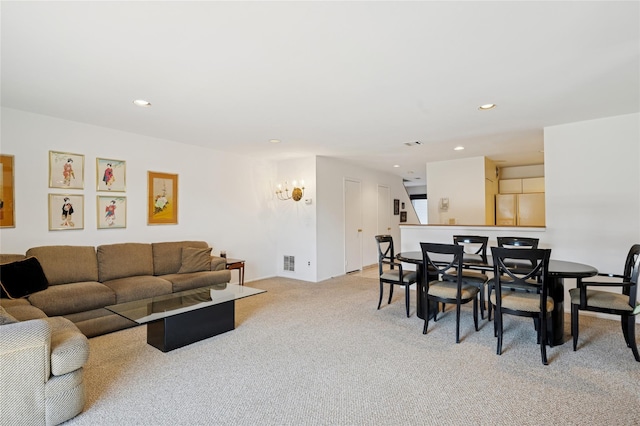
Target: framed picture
x: 163, y: 198
x: 66, y: 170
x: 403, y: 216
x: 396, y: 207
x: 7, y: 204
x: 66, y: 211
x: 111, y: 175
x: 112, y: 212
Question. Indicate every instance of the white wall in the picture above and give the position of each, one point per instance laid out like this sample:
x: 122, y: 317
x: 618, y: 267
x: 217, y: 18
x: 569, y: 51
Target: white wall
x: 296, y: 221
x: 463, y: 183
x: 330, y: 242
x: 593, y: 189
x: 224, y: 199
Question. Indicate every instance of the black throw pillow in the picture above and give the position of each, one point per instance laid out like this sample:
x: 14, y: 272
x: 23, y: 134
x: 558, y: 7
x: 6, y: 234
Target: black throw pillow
x: 21, y: 278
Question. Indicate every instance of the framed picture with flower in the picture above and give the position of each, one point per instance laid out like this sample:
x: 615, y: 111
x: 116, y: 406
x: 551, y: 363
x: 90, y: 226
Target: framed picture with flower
x: 111, y: 175
x: 112, y: 212
x: 66, y: 212
x: 66, y: 170
x: 162, y: 191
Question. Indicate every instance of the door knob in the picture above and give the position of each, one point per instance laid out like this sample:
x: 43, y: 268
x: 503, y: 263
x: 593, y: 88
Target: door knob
x: 359, y: 230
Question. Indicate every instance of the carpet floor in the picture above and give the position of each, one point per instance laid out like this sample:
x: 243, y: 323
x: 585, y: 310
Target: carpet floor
x: 321, y: 354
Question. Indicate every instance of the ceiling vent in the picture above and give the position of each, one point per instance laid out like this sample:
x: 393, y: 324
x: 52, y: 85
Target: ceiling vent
x: 416, y: 143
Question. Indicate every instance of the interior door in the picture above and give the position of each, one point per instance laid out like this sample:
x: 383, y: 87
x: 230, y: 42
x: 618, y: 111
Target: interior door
x: 352, y: 225
x: 384, y: 210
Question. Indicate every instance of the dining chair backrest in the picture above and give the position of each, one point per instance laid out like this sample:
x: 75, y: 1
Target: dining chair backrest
x: 441, y: 258
x: 631, y: 272
x: 520, y: 266
x: 385, y: 251
x: 518, y: 242
x: 476, y: 243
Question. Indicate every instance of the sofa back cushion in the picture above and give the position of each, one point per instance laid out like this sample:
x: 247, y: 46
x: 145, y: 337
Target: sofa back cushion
x: 167, y: 256
x: 67, y: 264
x: 124, y: 260
x: 8, y: 258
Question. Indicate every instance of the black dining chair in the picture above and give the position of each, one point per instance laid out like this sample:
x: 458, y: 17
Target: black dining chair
x: 518, y: 242
x: 476, y: 246
x: 508, y: 270
x: 623, y: 303
x: 440, y: 259
x: 390, y: 271
x: 511, y: 242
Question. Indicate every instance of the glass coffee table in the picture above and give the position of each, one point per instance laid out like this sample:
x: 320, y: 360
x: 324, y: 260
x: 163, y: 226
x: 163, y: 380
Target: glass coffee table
x: 179, y: 319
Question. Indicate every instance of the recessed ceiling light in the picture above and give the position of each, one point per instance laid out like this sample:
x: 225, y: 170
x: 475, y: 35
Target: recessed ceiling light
x: 458, y: 148
x: 486, y: 107
x: 274, y: 140
x: 142, y: 103
x: 396, y: 165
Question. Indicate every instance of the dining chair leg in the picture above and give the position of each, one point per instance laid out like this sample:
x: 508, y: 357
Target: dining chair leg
x: 482, y: 301
x: 458, y: 323
x: 407, y: 295
x: 498, y: 327
x: 426, y: 317
x: 631, y: 332
x: 543, y: 340
x: 381, y: 291
x: 625, y: 329
x: 390, y: 294
x: 574, y: 325
x: 475, y: 313
x: 490, y: 307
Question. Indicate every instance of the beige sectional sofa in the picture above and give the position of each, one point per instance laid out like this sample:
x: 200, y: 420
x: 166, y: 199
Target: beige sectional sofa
x: 43, y: 344
x: 83, y: 279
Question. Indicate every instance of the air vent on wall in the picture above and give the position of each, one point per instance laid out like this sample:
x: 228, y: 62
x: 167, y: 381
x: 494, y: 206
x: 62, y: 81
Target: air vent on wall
x: 289, y: 263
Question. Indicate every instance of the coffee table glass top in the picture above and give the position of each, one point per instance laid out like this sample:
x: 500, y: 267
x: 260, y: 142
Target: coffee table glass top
x: 147, y: 310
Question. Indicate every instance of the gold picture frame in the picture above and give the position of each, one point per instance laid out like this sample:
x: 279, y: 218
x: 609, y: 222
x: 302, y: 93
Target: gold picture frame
x: 111, y: 175
x: 112, y: 212
x: 66, y: 212
x: 162, y: 198
x: 66, y: 170
x: 7, y: 197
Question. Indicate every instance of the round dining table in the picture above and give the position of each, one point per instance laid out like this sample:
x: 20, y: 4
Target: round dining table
x: 558, y: 271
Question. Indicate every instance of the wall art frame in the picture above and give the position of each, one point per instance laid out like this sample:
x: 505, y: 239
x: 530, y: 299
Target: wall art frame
x: 66, y: 170
x: 162, y: 189
x: 66, y: 212
x: 112, y: 211
x: 111, y: 175
x: 7, y: 196
x: 396, y: 207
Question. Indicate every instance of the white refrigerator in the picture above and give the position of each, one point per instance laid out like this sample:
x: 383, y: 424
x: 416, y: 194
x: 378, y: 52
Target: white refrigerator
x: 520, y: 209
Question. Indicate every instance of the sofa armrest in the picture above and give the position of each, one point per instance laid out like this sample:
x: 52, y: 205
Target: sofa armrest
x: 69, y: 347
x: 218, y: 263
x: 24, y: 349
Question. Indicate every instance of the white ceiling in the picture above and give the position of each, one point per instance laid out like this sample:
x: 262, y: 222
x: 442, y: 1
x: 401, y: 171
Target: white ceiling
x: 351, y: 80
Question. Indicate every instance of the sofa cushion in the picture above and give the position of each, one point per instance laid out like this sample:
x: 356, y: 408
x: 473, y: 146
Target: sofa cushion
x: 8, y: 257
x: 5, y: 317
x: 67, y: 264
x: 197, y: 279
x: 69, y: 347
x: 195, y: 260
x: 71, y: 298
x: 167, y: 256
x: 136, y: 288
x: 21, y: 278
x: 124, y: 260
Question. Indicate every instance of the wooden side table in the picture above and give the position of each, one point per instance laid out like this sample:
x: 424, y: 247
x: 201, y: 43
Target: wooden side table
x: 239, y: 265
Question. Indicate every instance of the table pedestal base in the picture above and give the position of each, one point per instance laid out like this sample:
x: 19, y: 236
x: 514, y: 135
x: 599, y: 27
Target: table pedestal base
x: 183, y: 329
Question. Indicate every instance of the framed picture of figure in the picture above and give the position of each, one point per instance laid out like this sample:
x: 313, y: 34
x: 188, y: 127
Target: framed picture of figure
x: 111, y: 175
x: 66, y: 212
x: 112, y: 212
x: 66, y: 170
x: 162, y: 191
x: 7, y: 204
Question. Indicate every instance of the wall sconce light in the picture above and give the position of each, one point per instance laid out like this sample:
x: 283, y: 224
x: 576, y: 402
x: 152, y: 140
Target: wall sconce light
x: 296, y: 193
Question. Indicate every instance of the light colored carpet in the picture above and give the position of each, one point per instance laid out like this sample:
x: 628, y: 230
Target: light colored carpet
x: 321, y: 354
